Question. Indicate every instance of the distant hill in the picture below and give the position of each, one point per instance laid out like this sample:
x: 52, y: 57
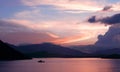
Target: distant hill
x: 49, y: 50
x: 99, y: 52
x: 8, y: 53
x: 108, y: 51
x: 87, y: 48
x: 112, y: 56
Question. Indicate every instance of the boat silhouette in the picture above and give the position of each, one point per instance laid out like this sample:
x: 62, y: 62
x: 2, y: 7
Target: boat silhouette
x: 41, y: 61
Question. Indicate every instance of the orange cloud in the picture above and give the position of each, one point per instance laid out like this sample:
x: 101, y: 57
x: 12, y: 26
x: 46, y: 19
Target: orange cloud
x: 52, y: 35
x: 72, y: 39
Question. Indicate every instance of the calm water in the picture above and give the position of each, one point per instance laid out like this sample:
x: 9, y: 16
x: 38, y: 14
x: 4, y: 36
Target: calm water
x: 61, y: 65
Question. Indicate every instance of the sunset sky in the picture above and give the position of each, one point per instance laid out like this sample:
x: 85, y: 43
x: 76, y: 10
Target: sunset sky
x: 65, y: 22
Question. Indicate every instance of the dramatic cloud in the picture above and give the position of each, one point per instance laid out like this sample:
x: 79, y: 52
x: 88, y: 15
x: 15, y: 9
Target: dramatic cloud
x: 67, y: 33
x: 111, y: 38
x: 115, y: 19
x: 57, y: 21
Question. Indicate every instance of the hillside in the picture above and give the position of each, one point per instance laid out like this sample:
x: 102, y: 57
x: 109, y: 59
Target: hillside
x: 8, y: 53
x: 49, y: 49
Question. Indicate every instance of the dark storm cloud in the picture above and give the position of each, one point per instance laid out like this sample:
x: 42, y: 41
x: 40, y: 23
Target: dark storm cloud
x: 115, y: 19
x: 111, y: 37
x: 92, y: 19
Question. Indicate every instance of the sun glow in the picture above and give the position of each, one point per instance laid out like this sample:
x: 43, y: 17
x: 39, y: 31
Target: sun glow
x: 73, y: 39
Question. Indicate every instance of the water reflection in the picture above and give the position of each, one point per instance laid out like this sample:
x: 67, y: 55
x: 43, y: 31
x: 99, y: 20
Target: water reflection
x: 62, y: 65
x: 94, y: 66
x: 84, y: 65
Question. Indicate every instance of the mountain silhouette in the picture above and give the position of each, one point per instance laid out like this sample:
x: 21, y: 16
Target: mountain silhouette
x: 99, y: 52
x: 112, y: 56
x: 49, y: 49
x: 108, y: 51
x: 8, y: 53
x: 87, y: 48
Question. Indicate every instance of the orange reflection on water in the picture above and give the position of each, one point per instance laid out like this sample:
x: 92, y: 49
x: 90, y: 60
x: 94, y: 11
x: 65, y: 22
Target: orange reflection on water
x: 94, y: 66
x: 83, y: 65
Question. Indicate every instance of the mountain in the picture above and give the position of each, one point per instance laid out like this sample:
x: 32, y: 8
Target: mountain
x: 49, y: 50
x: 87, y: 48
x: 8, y: 53
x: 108, y: 51
x: 99, y: 52
x: 112, y: 56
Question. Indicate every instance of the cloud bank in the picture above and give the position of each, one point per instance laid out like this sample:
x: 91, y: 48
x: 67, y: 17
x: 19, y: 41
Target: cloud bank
x: 111, y: 38
x: 115, y: 19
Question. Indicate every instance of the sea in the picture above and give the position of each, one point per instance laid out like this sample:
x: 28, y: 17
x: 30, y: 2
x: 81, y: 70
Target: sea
x: 61, y: 65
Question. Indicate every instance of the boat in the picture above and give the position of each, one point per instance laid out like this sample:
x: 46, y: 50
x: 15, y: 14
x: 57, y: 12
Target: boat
x: 41, y: 61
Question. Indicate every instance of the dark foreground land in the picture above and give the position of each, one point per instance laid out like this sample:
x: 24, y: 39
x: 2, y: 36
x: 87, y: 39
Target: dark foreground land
x: 10, y: 52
